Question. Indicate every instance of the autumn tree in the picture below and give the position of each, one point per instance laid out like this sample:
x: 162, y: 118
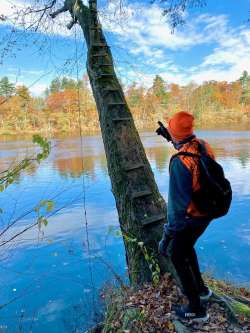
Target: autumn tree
x: 64, y: 83
x: 55, y: 85
x: 23, y: 92
x: 134, y: 95
x: 245, y: 85
x: 159, y: 89
x: 7, y: 88
x: 68, y: 83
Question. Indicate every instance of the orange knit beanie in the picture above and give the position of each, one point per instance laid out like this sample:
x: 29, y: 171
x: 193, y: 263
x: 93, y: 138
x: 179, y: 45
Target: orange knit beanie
x: 180, y: 126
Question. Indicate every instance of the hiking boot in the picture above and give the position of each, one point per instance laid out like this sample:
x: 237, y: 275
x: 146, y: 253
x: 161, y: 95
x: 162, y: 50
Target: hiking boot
x: 186, y: 312
x: 205, y: 294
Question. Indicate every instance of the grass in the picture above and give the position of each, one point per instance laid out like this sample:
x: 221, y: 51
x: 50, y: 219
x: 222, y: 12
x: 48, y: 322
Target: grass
x: 223, y: 287
x: 241, y: 309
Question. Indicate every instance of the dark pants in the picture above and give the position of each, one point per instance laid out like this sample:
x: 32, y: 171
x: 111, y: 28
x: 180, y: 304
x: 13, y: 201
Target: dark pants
x: 185, y: 260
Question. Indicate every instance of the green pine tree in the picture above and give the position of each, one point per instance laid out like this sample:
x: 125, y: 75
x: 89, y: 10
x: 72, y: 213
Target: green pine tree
x: 7, y: 88
x: 55, y: 85
x: 159, y: 89
x: 245, y: 85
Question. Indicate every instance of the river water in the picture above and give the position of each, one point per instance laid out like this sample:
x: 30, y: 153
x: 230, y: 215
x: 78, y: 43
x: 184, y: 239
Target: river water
x: 51, y: 277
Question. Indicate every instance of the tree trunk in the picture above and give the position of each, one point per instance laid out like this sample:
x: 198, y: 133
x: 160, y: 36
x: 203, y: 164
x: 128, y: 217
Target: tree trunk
x: 141, y: 208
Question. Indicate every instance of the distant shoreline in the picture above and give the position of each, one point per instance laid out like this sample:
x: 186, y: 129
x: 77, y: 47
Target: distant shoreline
x: 5, y: 136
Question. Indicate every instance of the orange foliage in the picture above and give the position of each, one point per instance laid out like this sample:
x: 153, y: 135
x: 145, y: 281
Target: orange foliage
x: 211, y: 102
x: 66, y: 101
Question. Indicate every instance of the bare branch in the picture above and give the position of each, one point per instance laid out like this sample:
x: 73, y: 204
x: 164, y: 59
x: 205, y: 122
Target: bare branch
x: 46, y: 7
x: 71, y: 24
x: 59, y: 11
x: 175, y: 9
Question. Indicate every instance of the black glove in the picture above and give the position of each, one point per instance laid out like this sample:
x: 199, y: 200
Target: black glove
x: 163, y: 244
x: 160, y: 131
x: 163, y: 131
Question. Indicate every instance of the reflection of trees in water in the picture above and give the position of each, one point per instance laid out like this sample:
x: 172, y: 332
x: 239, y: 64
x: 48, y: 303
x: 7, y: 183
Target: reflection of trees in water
x: 238, y: 148
x: 160, y: 156
x: 69, y: 161
x: 75, y: 166
x: 103, y: 164
x: 15, y: 151
x: 7, y: 162
x: 244, y: 158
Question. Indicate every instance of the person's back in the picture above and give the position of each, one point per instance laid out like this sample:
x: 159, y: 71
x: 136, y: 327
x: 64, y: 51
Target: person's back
x: 192, y: 166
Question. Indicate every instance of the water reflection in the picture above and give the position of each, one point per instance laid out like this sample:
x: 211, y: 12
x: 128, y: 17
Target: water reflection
x: 55, y: 264
x: 159, y: 156
x: 71, y: 159
x: 76, y: 165
x: 158, y: 151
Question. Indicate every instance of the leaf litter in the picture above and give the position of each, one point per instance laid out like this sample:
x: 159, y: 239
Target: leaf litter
x: 148, y: 310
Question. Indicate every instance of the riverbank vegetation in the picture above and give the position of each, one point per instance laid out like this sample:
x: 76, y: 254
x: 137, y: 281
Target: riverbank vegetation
x: 148, y: 309
x: 57, y: 110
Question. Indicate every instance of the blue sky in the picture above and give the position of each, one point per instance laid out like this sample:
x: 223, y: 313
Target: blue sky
x: 213, y: 45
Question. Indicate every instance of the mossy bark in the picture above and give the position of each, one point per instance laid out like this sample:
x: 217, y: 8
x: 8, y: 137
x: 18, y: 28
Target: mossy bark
x: 141, y: 208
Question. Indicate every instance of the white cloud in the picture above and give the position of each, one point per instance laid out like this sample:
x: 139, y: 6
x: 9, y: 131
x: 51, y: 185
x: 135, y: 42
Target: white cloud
x: 230, y: 50
x: 146, y: 30
x: 146, y: 80
x: 145, y: 27
x: 146, y: 36
x: 38, y: 89
x: 7, y: 7
x: 228, y: 59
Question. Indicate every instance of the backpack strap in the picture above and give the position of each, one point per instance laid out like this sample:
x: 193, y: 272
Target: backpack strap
x: 182, y: 153
x: 202, y: 147
x: 202, y: 150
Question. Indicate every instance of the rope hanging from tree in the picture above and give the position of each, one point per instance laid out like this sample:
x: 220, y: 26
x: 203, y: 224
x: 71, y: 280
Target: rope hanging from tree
x: 85, y: 220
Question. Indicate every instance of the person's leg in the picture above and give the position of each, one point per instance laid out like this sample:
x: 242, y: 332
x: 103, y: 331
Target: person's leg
x: 181, y: 246
x: 195, y: 269
x: 196, y: 230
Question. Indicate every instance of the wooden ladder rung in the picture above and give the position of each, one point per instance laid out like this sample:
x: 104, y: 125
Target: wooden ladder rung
x: 110, y: 89
x: 93, y: 10
x: 99, y: 54
x: 99, y: 76
x: 153, y: 219
x: 141, y: 194
x: 122, y: 119
x: 116, y: 103
x: 134, y: 167
x: 99, y: 44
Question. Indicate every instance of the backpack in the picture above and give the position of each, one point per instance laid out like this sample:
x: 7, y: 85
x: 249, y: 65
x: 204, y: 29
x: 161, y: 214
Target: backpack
x: 214, y: 196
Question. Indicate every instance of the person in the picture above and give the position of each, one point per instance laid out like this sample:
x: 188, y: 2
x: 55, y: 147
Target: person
x: 185, y: 222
